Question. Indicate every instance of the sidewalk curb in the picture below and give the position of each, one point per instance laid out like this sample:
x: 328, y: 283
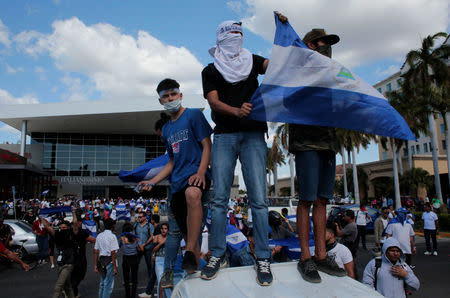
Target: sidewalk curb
x: 441, y: 234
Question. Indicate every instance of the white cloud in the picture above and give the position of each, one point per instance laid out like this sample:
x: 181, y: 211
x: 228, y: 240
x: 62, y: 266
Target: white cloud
x: 7, y: 98
x: 11, y: 69
x: 119, y: 65
x: 369, y: 30
x: 4, y: 35
x: 384, y: 73
x: 77, y: 90
x: 235, y: 6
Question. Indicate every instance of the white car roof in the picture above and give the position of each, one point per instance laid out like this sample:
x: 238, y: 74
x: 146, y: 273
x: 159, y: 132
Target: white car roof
x: 241, y: 282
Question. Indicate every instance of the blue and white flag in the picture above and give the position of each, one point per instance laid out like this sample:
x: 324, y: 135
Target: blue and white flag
x: 236, y: 240
x: 90, y: 226
x: 122, y: 213
x: 45, y: 192
x: 146, y: 171
x: 302, y: 86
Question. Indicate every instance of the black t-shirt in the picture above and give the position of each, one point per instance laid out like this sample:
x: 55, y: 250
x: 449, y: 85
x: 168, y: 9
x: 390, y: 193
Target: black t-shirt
x: 66, y: 247
x: 80, y: 240
x: 233, y: 95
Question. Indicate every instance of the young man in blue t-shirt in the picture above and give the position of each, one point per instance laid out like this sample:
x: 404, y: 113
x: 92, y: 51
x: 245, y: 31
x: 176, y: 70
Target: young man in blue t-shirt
x: 188, y: 143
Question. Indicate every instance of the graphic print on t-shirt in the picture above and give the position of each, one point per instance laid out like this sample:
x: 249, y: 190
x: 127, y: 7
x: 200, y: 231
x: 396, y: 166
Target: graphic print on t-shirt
x: 175, y: 139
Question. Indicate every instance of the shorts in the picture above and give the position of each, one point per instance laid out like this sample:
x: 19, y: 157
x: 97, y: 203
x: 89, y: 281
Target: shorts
x: 178, y: 205
x: 316, y: 172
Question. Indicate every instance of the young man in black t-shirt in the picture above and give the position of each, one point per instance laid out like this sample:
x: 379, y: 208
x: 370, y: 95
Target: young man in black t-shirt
x: 228, y: 85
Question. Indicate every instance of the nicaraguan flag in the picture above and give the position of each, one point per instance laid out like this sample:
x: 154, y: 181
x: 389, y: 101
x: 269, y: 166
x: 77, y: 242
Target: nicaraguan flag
x: 45, y: 192
x: 146, y: 171
x: 122, y: 212
x: 304, y: 87
x: 235, y: 239
x: 90, y: 226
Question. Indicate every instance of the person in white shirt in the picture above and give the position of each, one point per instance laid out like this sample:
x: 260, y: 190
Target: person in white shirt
x: 362, y: 216
x: 430, y: 229
x: 339, y: 252
x: 105, y: 259
x: 400, y: 229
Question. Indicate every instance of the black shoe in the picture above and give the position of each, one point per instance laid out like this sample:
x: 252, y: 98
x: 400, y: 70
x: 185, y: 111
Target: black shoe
x: 329, y: 266
x: 308, y: 270
x: 189, y: 262
x: 263, y: 274
x: 212, y: 268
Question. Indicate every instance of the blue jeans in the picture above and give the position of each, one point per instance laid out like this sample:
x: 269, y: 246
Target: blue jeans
x: 42, y: 242
x: 107, y: 283
x: 251, y: 149
x: 172, y: 241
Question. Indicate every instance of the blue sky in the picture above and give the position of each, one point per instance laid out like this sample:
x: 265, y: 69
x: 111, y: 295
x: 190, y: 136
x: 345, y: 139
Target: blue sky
x: 54, y: 51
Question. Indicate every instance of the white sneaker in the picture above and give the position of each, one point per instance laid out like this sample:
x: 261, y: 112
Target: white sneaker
x: 435, y: 253
x: 43, y: 262
x: 427, y: 253
x: 52, y: 266
x: 144, y: 295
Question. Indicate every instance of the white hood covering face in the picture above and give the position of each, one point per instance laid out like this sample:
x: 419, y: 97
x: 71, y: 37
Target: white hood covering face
x: 232, y: 61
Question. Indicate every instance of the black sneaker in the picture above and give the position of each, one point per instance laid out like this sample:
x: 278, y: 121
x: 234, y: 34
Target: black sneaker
x: 167, y: 279
x: 212, y: 268
x: 189, y: 262
x: 329, y: 266
x: 263, y: 274
x: 308, y: 270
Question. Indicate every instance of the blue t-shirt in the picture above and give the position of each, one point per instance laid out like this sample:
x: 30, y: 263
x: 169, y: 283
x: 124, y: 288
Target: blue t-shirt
x: 183, y: 139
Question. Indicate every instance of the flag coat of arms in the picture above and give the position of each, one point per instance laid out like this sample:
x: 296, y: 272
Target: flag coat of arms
x: 302, y: 86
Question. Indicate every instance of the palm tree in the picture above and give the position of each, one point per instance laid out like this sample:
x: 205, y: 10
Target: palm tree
x: 412, y: 179
x: 352, y: 140
x: 429, y: 71
x: 275, y: 158
x: 362, y: 179
x: 282, y: 133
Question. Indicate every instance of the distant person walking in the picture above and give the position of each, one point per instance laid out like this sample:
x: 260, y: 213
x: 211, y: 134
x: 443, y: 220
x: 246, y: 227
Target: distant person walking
x: 430, y: 229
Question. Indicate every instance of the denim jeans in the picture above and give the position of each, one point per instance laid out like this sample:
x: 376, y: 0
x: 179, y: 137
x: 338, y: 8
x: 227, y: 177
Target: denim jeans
x: 42, y: 242
x: 251, y: 149
x: 172, y: 241
x: 107, y: 283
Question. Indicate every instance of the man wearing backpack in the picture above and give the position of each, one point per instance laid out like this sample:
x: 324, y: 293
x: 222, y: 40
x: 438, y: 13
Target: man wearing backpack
x: 389, y: 274
x: 144, y: 230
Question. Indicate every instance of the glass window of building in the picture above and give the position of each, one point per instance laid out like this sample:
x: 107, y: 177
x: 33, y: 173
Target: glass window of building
x: 444, y: 145
x: 389, y: 87
x: 405, y: 151
x: 95, y: 155
x: 412, y: 150
x: 431, y: 147
x: 425, y: 147
x: 399, y: 82
x: 418, y: 149
x: 380, y: 90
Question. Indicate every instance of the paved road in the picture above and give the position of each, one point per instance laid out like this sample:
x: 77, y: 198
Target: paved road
x: 433, y: 273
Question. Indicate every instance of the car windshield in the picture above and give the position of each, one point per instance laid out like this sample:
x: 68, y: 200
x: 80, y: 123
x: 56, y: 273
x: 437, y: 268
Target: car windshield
x: 24, y: 226
x: 294, y: 202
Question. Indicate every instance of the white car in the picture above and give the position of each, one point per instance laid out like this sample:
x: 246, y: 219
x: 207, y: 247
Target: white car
x: 23, y: 231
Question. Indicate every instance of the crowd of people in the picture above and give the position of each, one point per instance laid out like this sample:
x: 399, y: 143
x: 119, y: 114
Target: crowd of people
x: 230, y: 234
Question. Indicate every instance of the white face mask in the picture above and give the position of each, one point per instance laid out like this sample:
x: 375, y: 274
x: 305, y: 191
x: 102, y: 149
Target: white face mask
x: 173, y: 106
x: 231, y: 45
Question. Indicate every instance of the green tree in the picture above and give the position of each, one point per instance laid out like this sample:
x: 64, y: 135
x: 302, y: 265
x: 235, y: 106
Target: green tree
x: 275, y: 158
x: 426, y: 76
x: 412, y: 179
x: 363, y: 182
x: 352, y: 140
